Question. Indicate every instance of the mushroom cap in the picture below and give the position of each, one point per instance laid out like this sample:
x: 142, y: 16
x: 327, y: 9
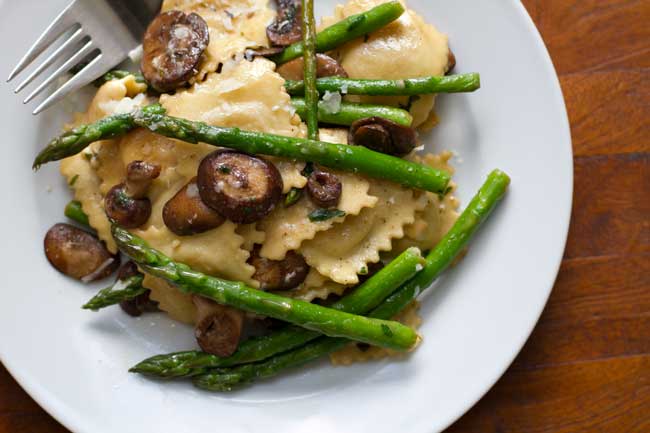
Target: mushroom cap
x: 172, y: 48
x: 241, y: 187
x: 78, y: 254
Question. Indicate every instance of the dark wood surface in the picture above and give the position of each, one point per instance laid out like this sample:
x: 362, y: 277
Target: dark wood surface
x: 586, y: 368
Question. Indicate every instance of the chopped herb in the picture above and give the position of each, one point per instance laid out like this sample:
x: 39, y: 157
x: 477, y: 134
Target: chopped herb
x: 308, y: 170
x: 442, y: 195
x: 325, y: 214
x: 73, y: 180
x: 224, y: 169
x: 363, y: 270
x: 387, y: 331
x: 292, y: 197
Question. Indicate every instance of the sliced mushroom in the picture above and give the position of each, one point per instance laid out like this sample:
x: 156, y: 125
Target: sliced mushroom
x: 142, y: 303
x: 186, y: 214
x: 139, y: 175
x: 78, y: 254
x: 241, y: 187
x: 128, y: 212
x: 326, y: 67
x: 284, y: 274
x: 126, y: 203
x: 324, y: 188
x: 383, y: 135
x: 287, y: 27
x: 172, y: 48
x: 218, y: 327
x: 451, y: 61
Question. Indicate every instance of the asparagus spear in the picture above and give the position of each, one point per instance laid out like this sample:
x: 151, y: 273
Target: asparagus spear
x: 437, y: 261
x: 346, y: 30
x: 349, y: 113
x: 75, y: 212
x: 338, y: 156
x: 408, y: 87
x: 236, y: 294
x: 309, y: 70
x: 122, y: 290
x: 75, y: 140
x: 366, y: 297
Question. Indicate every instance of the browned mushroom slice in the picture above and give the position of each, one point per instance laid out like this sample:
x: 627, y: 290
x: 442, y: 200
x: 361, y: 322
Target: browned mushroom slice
x: 79, y: 254
x: 383, y: 135
x: 126, y: 211
x: 241, y: 187
x: 127, y: 270
x: 324, y: 188
x: 287, y: 27
x: 218, y: 327
x: 284, y: 274
x: 186, y: 214
x: 326, y: 67
x: 172, y: 48
x: 139, y: 175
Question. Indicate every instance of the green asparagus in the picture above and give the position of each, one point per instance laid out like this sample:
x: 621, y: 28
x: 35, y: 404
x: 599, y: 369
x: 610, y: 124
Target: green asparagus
x: 338, y: 156
x: 346, y: 30
x: 349, y: 113
x: 367, y: 296
x: 437, y: 261
x: 76, y: 140
x: 236, y: 294
x: 309, y: 69
x: 408, y: 87
x: 122, y: 290
x: 75, y: 212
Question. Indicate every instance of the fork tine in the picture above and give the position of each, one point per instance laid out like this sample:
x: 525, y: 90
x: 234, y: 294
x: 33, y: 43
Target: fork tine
x: 76, y: 58
x: 90, y: 73
x: 63, y: 22
x: 70, y: 43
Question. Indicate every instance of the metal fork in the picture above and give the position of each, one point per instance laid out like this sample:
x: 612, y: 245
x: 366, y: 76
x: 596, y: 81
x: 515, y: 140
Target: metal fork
x: 99, y: 34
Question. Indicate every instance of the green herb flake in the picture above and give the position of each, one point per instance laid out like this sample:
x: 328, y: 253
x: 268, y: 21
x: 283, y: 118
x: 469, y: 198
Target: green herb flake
x: 308, y: 170
x: 292, y: 197
x: 73, y: 180
x: 224, y: 169
x: 386, y: 330
x: 442, y: 195
x: 363, y: 270
x: 325, y: 214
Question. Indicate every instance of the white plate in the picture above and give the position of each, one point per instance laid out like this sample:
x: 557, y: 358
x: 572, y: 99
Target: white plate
x: 74, y: 363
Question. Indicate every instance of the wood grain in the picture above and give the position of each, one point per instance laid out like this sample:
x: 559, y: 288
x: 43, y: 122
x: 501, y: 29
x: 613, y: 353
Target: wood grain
x: 586, y: 367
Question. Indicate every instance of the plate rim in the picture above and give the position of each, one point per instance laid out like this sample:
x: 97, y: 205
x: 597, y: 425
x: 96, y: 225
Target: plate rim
x: 68, y: 416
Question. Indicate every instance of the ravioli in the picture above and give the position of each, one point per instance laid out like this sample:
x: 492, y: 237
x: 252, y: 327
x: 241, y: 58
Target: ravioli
x: 287, y: 228
x: 406, y: 48
x: 347, y: 249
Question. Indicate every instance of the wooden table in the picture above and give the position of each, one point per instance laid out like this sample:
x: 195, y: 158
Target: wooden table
x: 586, y: 367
